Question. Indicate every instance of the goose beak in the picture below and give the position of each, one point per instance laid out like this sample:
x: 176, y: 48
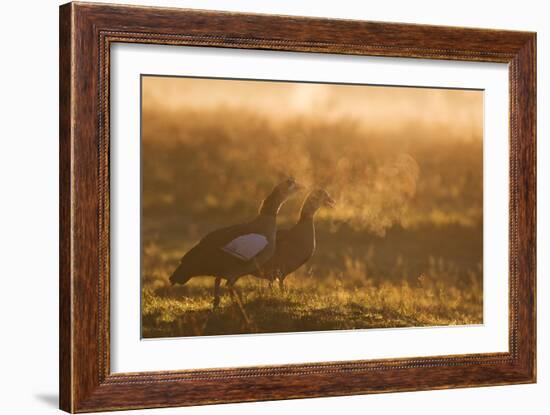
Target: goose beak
x: 330, y: 202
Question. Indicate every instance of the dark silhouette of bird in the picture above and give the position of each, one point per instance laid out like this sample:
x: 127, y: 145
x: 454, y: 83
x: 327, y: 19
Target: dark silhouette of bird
x: 236, y: 250
x: 295, y: 246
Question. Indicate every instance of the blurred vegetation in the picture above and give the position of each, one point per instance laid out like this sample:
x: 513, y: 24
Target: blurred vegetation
x: 403, y: 247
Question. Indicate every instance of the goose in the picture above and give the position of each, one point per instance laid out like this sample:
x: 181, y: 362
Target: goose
x: 237, y: 250
x: 295, y: 246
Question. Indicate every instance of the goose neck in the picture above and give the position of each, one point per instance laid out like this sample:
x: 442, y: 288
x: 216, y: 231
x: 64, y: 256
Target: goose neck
x: 270, y: 206
x: 306, y: 216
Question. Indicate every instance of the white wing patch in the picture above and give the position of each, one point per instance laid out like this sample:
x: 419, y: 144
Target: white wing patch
x: 247, y: 246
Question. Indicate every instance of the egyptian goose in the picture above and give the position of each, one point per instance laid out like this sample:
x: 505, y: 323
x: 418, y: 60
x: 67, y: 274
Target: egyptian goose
x: 295, y: 246
x: 236, y: 250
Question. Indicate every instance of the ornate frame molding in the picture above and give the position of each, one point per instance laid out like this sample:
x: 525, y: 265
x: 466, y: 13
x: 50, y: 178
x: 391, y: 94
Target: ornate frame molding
x: 86, y: 33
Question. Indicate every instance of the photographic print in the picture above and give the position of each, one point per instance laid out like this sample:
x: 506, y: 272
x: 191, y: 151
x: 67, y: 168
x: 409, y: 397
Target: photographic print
x: 278, y: 206
x: 311, y: 196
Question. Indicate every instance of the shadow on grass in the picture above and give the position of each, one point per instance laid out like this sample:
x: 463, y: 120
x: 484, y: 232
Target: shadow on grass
x: 272, y: 314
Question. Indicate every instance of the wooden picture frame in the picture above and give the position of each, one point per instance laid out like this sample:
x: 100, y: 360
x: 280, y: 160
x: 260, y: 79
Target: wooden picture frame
x: 86, y: 33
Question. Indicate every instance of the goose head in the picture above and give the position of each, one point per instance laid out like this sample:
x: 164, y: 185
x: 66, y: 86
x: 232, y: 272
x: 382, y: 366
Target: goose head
x: 279, y: 195
x: 317, y: 199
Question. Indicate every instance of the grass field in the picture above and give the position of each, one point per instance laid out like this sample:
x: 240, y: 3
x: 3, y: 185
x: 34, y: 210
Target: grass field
x: 303, y: 306
x: 385, y: 290
x: 402, y: 248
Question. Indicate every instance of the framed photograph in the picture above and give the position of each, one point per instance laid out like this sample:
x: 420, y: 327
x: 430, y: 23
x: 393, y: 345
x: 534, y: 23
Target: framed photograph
x: 259, y: 207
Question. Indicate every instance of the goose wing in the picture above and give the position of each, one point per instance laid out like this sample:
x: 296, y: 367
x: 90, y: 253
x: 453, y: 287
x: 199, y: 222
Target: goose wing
x: 243, y: 241
x: 246, y: 246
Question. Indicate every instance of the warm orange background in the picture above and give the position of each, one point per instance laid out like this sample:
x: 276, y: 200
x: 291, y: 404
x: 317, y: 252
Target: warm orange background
x: 403, y: 246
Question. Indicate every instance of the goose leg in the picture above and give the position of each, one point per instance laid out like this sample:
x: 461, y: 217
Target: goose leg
x: 281, y: 283
x: 217, y: 292
x: 235, y: 295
